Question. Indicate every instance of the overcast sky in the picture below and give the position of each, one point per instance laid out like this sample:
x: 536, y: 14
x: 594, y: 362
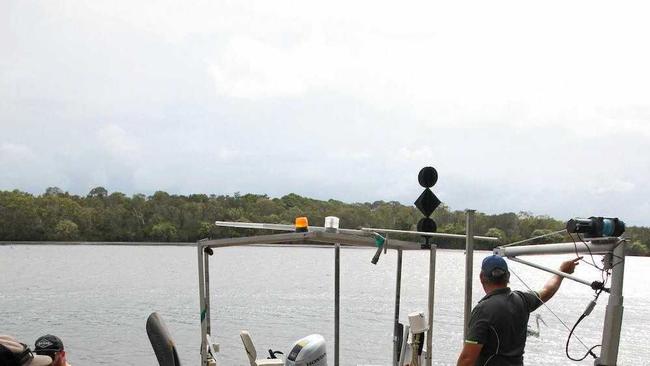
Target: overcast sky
x: 542, y: 107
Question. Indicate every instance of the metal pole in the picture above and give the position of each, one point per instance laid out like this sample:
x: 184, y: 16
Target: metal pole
x: 591, y: 247
x: 206, y: 270
x: 614, y: 310
x: 432, y: 289
x: 549, y: 270
x: 337, y: 288
x: 396, y: 331
x: 424, y: 233
x: 202, y: 305
x: 469, y: 268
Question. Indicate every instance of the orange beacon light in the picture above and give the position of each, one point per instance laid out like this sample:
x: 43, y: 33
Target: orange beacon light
x: 302, y: 225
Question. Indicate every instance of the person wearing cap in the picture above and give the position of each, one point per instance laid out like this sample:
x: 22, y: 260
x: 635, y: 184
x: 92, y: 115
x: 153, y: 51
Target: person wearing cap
x: 14, y: 353
x: 52, y: 346
x: 496, y: 333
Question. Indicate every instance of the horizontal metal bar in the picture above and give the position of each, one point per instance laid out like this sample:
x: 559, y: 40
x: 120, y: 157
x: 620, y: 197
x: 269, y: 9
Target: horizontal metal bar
x: 281, y: 227
x: 422, y: 233
x: 100, y: 243
x: 549, y: 270
x: 313, y: 238
x: 362, y: 231
x: 355, y: 240
x: 558, y: 248
x: 255, y: 225
x: 258, y: 239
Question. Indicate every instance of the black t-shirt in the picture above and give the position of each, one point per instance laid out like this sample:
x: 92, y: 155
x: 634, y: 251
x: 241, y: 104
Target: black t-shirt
x: 499, y: 322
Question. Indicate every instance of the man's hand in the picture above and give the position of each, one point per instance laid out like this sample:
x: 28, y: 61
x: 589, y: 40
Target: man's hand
x: 570, y: 265
x: 469, y: 354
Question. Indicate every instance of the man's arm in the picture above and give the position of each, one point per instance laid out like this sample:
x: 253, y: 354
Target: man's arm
x: 553, y: 284
x: 477, y: 336
x: 469, y: 354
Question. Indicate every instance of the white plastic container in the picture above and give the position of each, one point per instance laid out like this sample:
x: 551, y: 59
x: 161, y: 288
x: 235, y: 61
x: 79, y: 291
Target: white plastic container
x: 418, y: 322
x: 331, y: 224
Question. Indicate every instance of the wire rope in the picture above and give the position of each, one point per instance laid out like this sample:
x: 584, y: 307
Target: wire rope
x: 605, y: 275
x: 533, y: 238
x: 549, y: 309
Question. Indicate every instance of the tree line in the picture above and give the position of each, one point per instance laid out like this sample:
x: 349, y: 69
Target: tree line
x: 56, y: 215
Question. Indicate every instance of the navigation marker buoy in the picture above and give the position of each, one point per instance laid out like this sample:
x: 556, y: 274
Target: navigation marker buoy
x: 427, y: 202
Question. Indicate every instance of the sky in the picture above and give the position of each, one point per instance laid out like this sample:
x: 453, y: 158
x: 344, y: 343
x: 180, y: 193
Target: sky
x: 520, y: 106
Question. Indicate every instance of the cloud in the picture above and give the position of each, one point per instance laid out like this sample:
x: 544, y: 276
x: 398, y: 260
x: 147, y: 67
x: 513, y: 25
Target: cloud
x: 118, y: 143
x: 252, y: 69
x: 519, y: 106
x: 616, y: 186
x: 10, y: 151
x: 22, y: 167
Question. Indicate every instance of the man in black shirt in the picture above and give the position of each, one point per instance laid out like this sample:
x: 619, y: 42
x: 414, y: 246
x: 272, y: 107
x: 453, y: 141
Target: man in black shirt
x: 497, y: 328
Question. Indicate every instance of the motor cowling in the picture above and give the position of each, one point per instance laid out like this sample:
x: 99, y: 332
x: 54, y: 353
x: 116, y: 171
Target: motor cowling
x: 308, y: 351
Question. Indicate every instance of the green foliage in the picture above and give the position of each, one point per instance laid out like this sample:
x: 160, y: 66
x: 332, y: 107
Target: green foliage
x: 98, y: 192
x: 20, y: 217
x: 164, y: 231
x: 636, y: 248
x: 99, y: 216
x: 53, y: 191
x: 66, y: 230
x: 496, y: 233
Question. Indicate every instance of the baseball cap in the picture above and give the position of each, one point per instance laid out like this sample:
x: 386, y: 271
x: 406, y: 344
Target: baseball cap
x: 14, y: 353
x: 493, y: 262
x: 47, y: 344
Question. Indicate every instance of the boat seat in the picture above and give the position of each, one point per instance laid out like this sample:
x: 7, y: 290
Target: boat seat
x: 252, y: 353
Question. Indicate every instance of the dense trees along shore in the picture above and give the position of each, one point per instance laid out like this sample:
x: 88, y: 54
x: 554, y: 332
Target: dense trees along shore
x: 100, y: 216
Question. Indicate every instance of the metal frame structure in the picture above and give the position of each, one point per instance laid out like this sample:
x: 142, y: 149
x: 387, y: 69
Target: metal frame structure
x: 351, y: 237
x: 614, y: 250
x: 337, y: 240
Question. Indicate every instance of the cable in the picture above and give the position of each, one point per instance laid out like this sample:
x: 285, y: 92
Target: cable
x: 620, y: 259
x: 533, y: 238
x: 548, y: 308
x: 589, y: 351
x: 588, y: 249
x: 586, y: 313
x: 498, y: 346
x: 605, y: 273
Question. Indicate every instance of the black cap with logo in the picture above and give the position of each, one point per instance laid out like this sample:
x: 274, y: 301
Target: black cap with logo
x: 48, y: 344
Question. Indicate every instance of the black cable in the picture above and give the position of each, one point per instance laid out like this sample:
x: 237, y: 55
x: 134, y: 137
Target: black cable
x: 620, y: 260
x: 589, y: 250
x: 589, y: 352
x: 575, y: 245
x: 604, y: 275
x: 584, y: 315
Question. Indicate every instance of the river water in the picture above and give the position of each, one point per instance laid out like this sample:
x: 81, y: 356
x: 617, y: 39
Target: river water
x: 97, y: 300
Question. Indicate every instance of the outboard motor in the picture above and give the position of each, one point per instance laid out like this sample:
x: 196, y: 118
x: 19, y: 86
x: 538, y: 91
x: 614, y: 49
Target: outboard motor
x: 308, y: 351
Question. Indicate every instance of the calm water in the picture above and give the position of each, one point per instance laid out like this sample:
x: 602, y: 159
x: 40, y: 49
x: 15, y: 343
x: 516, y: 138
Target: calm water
x: 98, y: 298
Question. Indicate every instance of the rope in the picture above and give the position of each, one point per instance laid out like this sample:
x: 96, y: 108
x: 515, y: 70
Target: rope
x: 549, y: 309
x: 533, y: 238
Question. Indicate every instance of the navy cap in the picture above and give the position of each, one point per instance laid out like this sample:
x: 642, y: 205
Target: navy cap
x: 492, y: 262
